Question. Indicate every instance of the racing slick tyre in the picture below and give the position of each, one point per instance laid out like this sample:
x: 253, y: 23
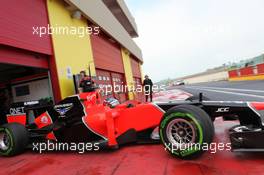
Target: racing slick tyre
x: 185, y: 130
x: 13, y: 139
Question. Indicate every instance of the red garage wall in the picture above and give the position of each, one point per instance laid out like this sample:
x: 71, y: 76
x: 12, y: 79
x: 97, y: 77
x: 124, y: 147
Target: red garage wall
x: 135, y: 67
x: 17, y: 19
x: 107, y: 55
x: 16, y: 56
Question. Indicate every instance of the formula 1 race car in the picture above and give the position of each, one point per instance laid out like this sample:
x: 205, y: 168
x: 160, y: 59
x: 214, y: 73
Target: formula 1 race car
x: 86, y: 118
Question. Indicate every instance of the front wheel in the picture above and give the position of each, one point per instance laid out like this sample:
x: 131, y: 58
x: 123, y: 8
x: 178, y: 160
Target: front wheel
x: 184, y: 130
x: 13, y: 139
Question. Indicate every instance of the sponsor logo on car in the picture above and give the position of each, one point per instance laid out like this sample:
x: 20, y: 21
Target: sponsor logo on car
x: 219, y: 110
x: 63, y: 108
x: 44, y: 120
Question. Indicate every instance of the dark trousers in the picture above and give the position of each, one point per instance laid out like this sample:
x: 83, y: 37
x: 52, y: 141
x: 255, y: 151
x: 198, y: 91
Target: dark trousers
x: 148, y: 95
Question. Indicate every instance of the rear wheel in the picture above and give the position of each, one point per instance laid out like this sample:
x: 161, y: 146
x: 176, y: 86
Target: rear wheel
x: 185, y: 129
x: 13, y: 139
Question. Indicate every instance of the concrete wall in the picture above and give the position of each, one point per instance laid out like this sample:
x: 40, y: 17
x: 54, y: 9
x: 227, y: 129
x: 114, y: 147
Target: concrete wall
x: 214, y: 76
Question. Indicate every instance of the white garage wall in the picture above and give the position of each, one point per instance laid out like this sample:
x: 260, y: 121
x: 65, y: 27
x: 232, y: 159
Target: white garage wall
x: 37, y: 89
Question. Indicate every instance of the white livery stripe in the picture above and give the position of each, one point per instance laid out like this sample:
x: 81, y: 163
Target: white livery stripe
x: 92, y: 130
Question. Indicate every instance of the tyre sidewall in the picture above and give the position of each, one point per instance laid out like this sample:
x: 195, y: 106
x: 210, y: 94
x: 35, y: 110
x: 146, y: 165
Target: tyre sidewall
x: 199, y: 119
x: 11, y: 144
x: 198, y: 133
x: 18, y: 137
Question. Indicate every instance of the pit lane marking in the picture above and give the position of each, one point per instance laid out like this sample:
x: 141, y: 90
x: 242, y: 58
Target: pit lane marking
x: 226, y: 92
x: 230, y: 89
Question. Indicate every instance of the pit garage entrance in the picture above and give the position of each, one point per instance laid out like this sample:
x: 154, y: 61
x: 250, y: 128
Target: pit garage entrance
x: 24, y: 76
x: 19, y: 84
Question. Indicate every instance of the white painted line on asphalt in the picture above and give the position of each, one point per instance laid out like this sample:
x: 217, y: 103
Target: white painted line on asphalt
x: 227, y: 92
x: 231, y: 89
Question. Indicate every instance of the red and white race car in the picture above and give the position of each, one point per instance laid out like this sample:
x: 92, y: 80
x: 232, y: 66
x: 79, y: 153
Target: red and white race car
x: 86, y: 118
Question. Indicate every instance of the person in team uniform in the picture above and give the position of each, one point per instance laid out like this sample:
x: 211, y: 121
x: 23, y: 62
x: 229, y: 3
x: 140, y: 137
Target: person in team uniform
x: 86, y: 83
x: 147, y: 84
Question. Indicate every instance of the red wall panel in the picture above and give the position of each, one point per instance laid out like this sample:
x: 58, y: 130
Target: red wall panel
x: 17, y: 19
x: 246, y: 71
x: 105, y: 77
x: 107, y: 55
x: 119, y: 81
x: 12, y: 55
x: 232, y: 73
x: 135, y: 67
x: 260, y: 68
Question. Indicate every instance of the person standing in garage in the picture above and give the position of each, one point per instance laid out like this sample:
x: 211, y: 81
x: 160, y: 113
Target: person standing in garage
x: 86, y: 83
x: 147, y: 84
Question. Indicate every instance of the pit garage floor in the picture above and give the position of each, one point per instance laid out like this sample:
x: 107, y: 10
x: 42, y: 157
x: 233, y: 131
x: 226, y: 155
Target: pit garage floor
x: 139, y: 159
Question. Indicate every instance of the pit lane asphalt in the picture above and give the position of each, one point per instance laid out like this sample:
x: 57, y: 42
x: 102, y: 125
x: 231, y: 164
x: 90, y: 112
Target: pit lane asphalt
x: 228, y: 91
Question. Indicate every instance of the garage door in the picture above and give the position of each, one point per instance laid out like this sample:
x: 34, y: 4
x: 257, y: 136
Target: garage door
x: 17, y: 20
x: 111, y: 83
x: 119, y: 82
x: 23, y: 53
x: 109, y: 64
x: 135, y: 67
x: 103, y: 81
x: 10, y: 55
x: 107, y: 54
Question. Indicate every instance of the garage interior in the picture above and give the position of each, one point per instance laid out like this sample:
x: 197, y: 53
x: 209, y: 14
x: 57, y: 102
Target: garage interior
x: 20, y: 83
